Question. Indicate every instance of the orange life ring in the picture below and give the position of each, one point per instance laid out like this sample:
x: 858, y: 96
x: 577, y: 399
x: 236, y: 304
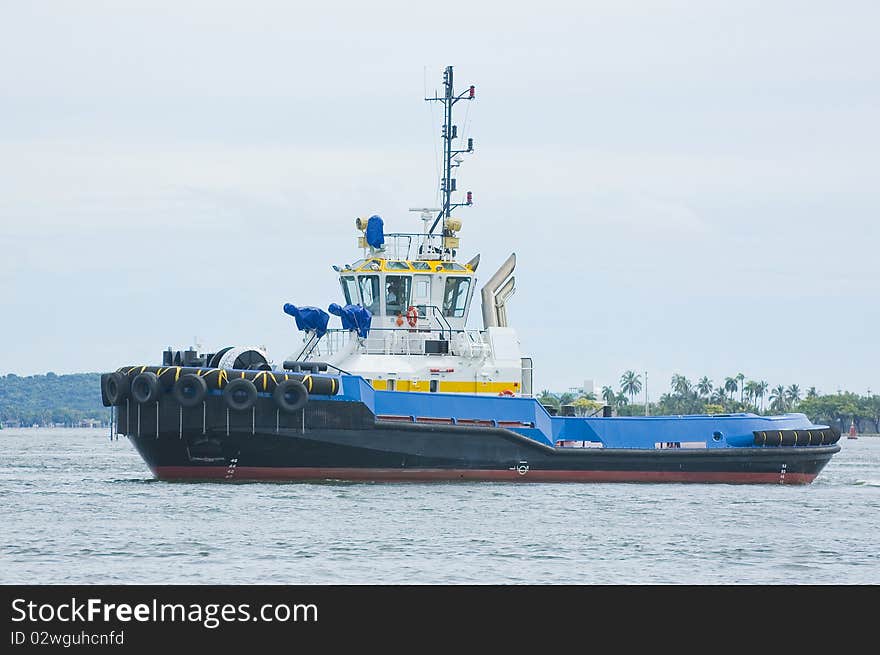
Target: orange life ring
x: 412, y: 316
x: 506, y: 392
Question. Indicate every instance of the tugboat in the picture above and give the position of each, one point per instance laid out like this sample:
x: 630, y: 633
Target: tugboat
x: 404, y: 390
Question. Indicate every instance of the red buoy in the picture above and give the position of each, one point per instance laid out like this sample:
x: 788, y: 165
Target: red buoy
x: 852, y: 430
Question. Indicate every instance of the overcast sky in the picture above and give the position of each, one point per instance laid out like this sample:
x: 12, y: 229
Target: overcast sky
x: 690, y: 187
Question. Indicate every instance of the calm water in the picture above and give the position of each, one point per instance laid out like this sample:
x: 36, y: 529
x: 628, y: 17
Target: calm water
x: 82, y: 509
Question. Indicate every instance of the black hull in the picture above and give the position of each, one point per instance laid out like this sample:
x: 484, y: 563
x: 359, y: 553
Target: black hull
x: 343, y: 440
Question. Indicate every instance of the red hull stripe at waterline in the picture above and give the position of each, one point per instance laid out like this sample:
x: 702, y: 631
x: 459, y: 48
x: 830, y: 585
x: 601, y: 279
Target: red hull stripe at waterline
x: 392, y: 475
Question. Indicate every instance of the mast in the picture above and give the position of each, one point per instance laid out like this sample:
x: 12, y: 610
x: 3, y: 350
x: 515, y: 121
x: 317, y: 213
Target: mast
x: 449, y: 134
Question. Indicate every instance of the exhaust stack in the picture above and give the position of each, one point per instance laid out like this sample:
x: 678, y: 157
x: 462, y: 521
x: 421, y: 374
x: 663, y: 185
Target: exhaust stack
x: 496, y: 292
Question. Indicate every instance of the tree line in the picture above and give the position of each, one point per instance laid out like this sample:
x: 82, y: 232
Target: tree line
x: 732, y: 395
x: 51, y: 399
x: 68, y: 399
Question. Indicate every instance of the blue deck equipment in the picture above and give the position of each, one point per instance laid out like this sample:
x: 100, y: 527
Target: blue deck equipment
x: 354, y: 317
x: 308, y: 318
x: 375, y: 234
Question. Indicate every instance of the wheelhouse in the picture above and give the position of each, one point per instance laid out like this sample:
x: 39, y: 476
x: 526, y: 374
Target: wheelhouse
x: 400, y: 292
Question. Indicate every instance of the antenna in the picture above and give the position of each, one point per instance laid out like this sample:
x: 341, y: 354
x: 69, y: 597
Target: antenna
x: 450, y: 155
x: 427, y: 213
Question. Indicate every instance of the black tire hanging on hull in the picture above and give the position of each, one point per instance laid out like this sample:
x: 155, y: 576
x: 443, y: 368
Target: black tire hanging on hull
x: 290, y: 396
x: 240, y: 394
x: 114, y: 389
x: 190, y: 390
x: 145, y: 388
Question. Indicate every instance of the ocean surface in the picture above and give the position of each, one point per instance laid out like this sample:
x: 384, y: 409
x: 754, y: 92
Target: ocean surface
x: 80, y: 509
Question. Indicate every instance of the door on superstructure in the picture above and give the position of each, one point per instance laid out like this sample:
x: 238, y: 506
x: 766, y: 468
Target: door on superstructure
x: 398, y: 289
x: 369, y: 286
x: 456, y: 296
x: 421, y: 295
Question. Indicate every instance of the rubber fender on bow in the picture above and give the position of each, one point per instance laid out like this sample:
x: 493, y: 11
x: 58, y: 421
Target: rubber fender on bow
x: 190, y: 390
x: 240, y: 394
x: 290, y: 396
x: 218, y: 378
x: 114, y: 389
x: 811, y: 437
x: 145, y: 388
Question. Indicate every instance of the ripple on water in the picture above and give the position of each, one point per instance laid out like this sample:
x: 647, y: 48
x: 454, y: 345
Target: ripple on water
x: 86, y: 510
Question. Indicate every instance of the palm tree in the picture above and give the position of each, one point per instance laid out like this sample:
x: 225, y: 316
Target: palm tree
x: 739, y: 378
x: 566, y: 398
x: 719, y: 397
x: 751, y: 389
x: 777, y: 399
x: 547, y: 397
x: 812, y: 393
x: 704, y: 386
x: 730, y: 386
x: 630, y: 383
x: 621, y: 400
x: 762, y: 389
x: 680, y: 384
x: 608, y: 395
x: 793, y: 394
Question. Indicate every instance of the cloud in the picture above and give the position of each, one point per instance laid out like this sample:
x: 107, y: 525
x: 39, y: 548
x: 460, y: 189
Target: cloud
x: 672, y: 176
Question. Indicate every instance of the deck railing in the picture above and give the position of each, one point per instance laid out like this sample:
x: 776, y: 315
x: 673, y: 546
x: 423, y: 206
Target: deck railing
x: 413, y: 245
x: 400, y: 341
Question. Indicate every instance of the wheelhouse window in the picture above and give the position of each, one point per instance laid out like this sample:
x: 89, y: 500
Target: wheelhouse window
x: 456, y: 295
x: 369, y: 285
x: 421, y: 266
x: 396, y: 266
x: 397, y: 294
x: 349, y: 289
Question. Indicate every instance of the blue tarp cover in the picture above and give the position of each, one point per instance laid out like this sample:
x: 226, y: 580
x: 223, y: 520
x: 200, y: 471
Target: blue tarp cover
x: 375, y: 235
x: 309, y: 318
x: 354, y: 317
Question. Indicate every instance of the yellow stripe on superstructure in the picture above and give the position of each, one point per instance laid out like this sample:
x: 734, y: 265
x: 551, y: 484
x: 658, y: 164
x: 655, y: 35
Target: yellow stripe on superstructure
x: 446, y: 386
x: 433, y: 264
